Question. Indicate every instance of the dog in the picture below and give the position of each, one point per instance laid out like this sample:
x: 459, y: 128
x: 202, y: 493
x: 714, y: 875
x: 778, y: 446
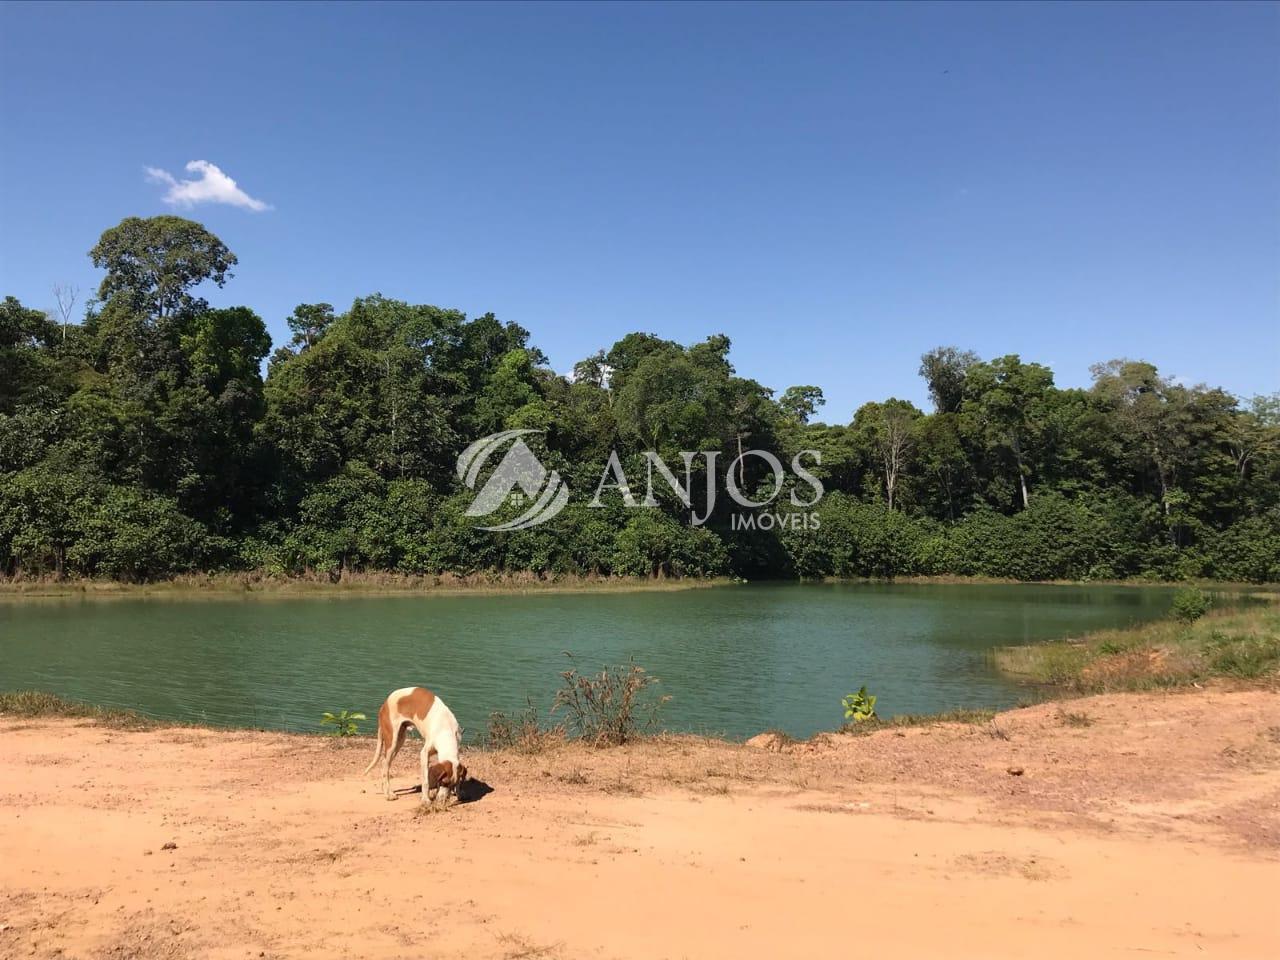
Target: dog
x: 438, y: 727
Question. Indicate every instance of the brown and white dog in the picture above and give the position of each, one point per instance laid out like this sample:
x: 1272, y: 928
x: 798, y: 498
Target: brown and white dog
x: 439, y: 731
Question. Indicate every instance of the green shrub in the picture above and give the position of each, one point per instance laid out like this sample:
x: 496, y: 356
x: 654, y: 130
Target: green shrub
x: 1190, y: 604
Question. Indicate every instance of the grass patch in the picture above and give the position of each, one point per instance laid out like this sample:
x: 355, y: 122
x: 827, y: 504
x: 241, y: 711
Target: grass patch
x: 622, y: 787
x: 36, y: 703
x: 1244, y: 657
x: 1239, y: 643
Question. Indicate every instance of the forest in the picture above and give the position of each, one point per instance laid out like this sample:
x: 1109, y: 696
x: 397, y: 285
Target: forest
x: 141, y: 440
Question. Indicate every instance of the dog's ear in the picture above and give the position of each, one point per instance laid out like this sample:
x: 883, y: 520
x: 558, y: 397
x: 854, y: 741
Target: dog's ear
x: 462, y: 774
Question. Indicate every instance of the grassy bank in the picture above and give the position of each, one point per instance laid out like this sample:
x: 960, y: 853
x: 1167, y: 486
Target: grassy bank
x: 1240, y: 587
x: 35, y: 704
x: 1234, y: 643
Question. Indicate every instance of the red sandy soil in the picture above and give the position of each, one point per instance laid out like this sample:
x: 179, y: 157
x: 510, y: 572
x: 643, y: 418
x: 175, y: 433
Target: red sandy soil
x: 1140, y: 824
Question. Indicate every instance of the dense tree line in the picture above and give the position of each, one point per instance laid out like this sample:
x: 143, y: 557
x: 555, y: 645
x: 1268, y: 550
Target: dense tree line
x: 145, y: 441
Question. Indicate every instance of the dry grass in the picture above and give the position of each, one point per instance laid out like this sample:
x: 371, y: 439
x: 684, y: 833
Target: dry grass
x: 432, y: 809
x: 1075, y: 719
x: 522, y: 732
x: 965, y: 715
x: 517, y: 947
x: 623, y: 787
x: 610, y: 707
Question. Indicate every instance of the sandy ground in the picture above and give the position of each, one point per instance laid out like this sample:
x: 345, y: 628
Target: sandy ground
x: 1139, y: 825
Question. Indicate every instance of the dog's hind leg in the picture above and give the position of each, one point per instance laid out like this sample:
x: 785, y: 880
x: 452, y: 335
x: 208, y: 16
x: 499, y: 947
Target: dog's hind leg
x: 390, y: 756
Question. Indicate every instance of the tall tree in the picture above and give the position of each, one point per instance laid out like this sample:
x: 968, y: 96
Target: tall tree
x: 1254, y: 432
x: 889, y: 427
x: 25, y: 364
x: 944, y: 370
x: 155, y: 263
x: 1006, y: 404
x: 1163, y: 420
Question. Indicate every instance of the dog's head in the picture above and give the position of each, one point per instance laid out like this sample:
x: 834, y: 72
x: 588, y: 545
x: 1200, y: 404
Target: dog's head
x: 445, y: 775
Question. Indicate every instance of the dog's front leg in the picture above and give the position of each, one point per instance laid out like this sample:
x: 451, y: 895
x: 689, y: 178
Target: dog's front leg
x: 428, y: 788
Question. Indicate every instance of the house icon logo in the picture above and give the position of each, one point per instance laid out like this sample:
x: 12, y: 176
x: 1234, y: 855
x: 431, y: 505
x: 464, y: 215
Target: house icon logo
x: 519, y: 472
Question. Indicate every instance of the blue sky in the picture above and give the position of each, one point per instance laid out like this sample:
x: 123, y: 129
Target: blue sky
x: 838, y: 188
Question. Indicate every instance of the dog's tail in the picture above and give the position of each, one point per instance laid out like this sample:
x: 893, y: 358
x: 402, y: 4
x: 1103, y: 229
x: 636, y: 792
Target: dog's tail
x: 377, y: 755
x: 382, y: 745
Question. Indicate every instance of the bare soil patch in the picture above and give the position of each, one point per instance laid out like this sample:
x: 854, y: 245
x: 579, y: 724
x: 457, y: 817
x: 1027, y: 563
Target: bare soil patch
x: 1153, y: 825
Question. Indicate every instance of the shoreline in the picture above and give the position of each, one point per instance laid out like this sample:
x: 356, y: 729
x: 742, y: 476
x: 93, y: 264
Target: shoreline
x: 259, y: 586
x: 248, y: 586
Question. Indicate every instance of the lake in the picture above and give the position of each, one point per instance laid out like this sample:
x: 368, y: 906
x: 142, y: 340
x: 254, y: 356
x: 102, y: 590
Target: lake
x: 735, y: 660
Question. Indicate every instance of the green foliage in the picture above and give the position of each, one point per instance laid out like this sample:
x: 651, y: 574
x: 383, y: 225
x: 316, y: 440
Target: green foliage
x: 859, y: 707
x: 344, y: 722
x: 145, y: 442
x: 1246, y: 551
x: 653, y: 545
x: 1190, y: 604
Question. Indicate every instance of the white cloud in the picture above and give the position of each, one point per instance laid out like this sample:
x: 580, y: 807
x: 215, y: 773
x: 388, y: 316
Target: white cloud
x: 212, y: 186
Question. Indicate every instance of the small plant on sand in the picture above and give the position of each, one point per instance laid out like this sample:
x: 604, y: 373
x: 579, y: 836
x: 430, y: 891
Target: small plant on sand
x: 344, y: 722
x: 611, y: 707
x: 1075, y: 719
x: 1190, y: 605
x: 860, y: 707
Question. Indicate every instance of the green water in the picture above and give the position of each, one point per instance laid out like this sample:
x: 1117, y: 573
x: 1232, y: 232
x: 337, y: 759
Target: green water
x: 735, y: 660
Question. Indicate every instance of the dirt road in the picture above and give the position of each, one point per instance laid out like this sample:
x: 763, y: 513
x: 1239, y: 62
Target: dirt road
x: 1138, y: 825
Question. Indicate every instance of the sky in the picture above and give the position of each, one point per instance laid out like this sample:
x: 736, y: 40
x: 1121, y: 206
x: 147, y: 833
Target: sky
x: 836, y: 187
